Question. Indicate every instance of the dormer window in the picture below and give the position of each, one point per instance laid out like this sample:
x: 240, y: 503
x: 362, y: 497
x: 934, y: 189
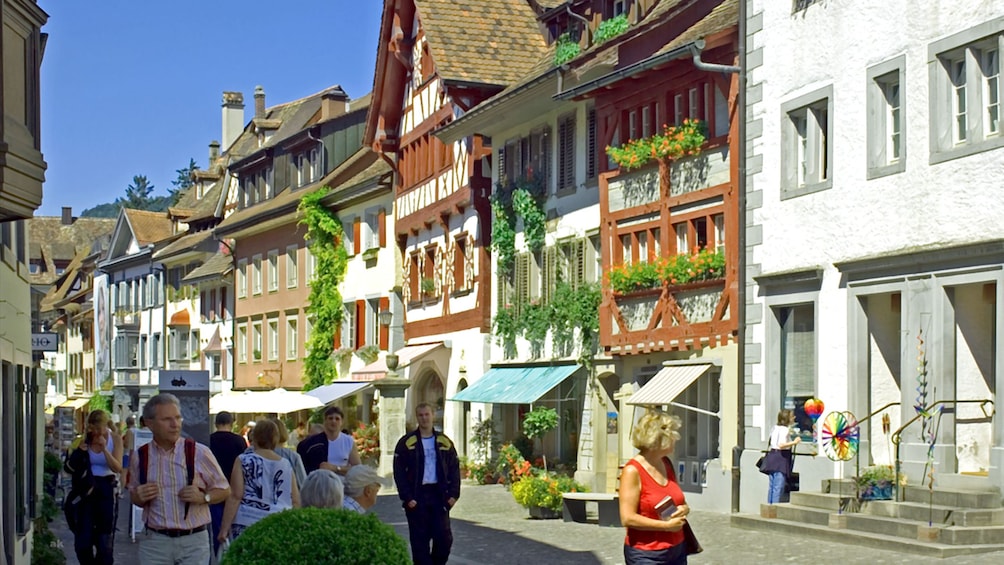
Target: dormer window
x: 308, y: 166
x: 619, y: 7
x: 256, y: 186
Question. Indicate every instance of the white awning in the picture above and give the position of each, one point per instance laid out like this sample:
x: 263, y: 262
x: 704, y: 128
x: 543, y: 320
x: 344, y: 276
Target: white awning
x: 667, y: 384
x: 336, y: 390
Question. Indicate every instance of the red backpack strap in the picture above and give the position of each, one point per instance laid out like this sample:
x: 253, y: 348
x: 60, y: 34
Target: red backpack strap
x: 144, y: 458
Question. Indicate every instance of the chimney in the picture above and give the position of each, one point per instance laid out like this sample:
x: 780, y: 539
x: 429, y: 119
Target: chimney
x: 233, y: 117
x: 67, y: 215
x: 334, y: 103
x: 214, y: 153
x: 259, y: 102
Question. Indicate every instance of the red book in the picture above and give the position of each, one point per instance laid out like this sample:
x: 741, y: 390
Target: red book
x: 666, y: 508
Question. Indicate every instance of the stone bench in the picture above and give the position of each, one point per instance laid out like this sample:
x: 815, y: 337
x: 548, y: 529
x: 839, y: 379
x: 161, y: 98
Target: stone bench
x: 573, y: 507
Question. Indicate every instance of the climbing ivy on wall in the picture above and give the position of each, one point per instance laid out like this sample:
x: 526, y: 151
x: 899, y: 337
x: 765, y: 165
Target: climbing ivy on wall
x: 324, y: 236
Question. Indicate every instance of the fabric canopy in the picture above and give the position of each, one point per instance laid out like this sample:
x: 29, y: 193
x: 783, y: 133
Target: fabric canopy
x: 336, y: 390
x: 75, y: 403
x: 515, y: 385
x: 667, y: 384
x: 279, y: 401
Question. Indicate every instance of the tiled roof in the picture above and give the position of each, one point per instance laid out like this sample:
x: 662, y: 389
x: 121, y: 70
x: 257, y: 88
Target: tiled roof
x: 216, y: 266
x: 47, y: 232
x: 722, y: 17
x: 63, y: 282
x: 187, y: 242
x: 148, y: 227
x: 496, y: 42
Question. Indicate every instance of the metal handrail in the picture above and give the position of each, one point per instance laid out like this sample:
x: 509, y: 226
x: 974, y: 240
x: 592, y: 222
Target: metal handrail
x: 897, y: 435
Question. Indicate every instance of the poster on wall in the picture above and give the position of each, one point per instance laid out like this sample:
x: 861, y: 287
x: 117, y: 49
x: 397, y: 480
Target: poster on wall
x: 102, y: 323
x: 192, y: 389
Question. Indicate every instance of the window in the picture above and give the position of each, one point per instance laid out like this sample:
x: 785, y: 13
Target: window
x: 273, y: 339
x: 179, y: 344
x: 806, y: 134
x: 20, y: 439
x: 273, y: 271
x: 528, y: 157
x: 308, y: 166
x: 371, y: 230
x: 256, y: 274
x: 142, y: 351
x: 126, y: 350
x: 349, y: 325
x: 348, y: 237
x: 372, y: 324
x: 566, y: 153
x: 311, y: 265
x: 256, y: 345
x: 292, y: 271
x: 242, y: 280
x: 194, y: 352
x: 797, y: 362
x: 242, y: 343
x: 886, y: 115
x: 308, y: 328
x: 292, y: 343
x: 463, y: 264
x: 965, y: 71
x: 155, y: 351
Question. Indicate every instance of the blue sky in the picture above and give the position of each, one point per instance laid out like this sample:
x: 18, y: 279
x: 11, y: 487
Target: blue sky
x: 132, y: 88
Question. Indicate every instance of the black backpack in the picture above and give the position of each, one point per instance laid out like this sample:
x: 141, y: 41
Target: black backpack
x: 144, y: 460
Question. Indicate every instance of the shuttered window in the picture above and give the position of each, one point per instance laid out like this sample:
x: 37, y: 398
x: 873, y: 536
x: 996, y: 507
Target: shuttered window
x: 798, y: 351
x: 566, y: 153
x: 591, y: 143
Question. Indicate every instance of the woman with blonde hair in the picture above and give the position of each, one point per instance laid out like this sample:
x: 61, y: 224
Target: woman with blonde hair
x: 93, y: 468
x: 261, y: 483
x: 652, y: 505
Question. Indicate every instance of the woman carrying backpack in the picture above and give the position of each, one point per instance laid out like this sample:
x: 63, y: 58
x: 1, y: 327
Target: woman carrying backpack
x: 90, y: 506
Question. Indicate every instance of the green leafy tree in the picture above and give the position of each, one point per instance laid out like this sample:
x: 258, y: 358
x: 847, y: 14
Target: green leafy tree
x: 137, y: 194
x: 537, y: 423
x: 324, y: 237
x: 183, y: 182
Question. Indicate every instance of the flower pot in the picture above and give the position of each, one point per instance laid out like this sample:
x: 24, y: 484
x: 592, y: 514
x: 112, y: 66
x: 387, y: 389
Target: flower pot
x: 541, y: 513
x: 878, y: 490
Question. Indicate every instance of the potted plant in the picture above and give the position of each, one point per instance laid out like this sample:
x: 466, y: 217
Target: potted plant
x: 367, y: 440
x: 256, y: 354
x: 368, y: 353
x: 537, y: 423
x: 541, y: 493
x: 428, y: 287
x: 876, y: 481
x: 342, y: 355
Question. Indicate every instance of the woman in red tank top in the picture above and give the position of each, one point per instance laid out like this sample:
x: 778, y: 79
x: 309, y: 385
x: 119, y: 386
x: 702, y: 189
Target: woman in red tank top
x: 649, y: 492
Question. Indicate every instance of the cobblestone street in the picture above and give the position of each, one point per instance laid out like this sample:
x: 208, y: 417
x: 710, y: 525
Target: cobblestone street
x: 489, y: 528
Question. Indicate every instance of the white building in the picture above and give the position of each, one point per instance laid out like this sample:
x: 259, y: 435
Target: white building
x: 874, y: 223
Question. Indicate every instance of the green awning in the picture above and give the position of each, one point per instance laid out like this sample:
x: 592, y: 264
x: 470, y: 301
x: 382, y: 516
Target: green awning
x: 515, y: 385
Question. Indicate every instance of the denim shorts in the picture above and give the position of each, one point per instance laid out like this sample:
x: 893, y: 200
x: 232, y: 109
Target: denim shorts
x: 675, y: 555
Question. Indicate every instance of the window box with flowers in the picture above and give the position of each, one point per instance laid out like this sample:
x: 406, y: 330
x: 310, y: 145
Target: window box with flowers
x: 674, y: 142
x: 679, y: 270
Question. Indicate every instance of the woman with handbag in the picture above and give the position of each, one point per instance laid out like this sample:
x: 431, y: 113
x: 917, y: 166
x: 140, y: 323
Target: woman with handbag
x: 778, y: 462
x: 652, y: 505
x: 93, y: 467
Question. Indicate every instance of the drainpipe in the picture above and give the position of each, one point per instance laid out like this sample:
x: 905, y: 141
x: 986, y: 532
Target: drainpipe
x: 585, y: 22
x: 740, y: 446
x: 698, y: 46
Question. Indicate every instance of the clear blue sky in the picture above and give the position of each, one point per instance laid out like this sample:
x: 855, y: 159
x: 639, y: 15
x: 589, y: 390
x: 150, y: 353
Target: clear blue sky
x: 134, y: 88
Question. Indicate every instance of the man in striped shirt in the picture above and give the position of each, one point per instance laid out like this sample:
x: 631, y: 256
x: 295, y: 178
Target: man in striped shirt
x: 176, y: 514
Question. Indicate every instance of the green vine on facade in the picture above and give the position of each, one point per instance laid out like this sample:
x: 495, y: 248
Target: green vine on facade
x: 571, y: 307
x: 565, y: 49
x: 674, y: 142
x: 324, y: 236
x: 522, y: 199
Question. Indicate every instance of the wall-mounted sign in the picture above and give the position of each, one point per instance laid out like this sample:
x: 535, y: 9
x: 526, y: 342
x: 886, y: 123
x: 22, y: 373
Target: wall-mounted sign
x: 44, y: 341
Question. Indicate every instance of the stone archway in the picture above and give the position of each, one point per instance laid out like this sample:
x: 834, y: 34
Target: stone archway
x: 430, y: 388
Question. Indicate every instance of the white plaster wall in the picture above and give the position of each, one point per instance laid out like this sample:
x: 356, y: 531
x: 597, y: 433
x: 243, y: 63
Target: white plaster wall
x: 362, y: 281
x: 949, y: 203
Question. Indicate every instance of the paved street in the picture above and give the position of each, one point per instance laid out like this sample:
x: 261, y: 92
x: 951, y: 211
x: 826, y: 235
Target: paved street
x: 490, y: 528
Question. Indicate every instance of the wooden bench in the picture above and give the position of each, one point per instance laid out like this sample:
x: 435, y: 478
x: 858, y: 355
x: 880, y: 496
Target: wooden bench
x: 573, y: 507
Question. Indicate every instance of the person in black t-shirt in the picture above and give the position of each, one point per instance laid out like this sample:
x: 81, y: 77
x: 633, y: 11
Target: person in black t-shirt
x: 226, y: 446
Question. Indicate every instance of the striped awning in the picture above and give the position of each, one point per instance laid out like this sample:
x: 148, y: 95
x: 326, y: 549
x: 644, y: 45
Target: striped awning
x: 515, y: 385
x: 667, y: 384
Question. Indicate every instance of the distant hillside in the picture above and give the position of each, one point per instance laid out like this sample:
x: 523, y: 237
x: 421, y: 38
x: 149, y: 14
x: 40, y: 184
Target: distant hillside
x: 111, y: 209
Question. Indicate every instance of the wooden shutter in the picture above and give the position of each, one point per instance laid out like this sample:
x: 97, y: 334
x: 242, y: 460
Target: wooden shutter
x: 500, y: 167
x: 566, y: 153
x: 384, y: 304
x: 591, y: 143
x: 459, y: 262
x: 360, y: 323
x: 382, y: 227
x: 522, y: 279
x: 356, y: 231
x: 549, y: 273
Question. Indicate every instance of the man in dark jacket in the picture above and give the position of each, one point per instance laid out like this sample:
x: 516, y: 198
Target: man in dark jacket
x: 427, y: 474
x: 226, y: 446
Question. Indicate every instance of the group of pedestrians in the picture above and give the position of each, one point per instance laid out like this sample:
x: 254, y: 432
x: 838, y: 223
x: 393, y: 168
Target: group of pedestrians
x: 195, y: 497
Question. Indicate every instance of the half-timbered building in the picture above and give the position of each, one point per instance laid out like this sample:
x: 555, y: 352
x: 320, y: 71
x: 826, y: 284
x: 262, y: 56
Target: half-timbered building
x: 436, y: 60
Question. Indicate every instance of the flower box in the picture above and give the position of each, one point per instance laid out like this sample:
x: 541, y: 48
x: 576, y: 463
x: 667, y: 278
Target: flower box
x: 878, y: 490
x: 542, y: 513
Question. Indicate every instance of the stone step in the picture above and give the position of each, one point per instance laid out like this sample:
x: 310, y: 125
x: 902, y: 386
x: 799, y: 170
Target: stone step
x: 824, y: 501
x: 846, y: 487
x: 862, y: 538
x: 803, y: 514
x: 958, y: 498
x: 943, y: 515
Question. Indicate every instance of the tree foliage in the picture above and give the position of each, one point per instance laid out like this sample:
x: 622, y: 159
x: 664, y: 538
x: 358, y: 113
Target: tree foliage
x: 184, y: 180
x: 324, y: 238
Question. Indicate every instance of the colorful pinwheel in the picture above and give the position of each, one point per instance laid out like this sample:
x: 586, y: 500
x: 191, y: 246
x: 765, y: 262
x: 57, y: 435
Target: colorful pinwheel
x: 840, y: 435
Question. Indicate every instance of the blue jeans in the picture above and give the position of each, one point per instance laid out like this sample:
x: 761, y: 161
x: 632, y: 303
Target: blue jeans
x: 776, y: 489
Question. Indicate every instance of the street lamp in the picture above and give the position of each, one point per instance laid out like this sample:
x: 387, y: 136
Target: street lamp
x: 385, y: 317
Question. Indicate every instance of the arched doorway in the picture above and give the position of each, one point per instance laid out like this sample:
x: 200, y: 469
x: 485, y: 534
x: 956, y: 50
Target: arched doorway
x: 464, y: 424
x: 429, y: 388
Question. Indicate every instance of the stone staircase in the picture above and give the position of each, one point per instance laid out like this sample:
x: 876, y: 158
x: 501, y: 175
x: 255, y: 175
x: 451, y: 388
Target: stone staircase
x: 957, y: 520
